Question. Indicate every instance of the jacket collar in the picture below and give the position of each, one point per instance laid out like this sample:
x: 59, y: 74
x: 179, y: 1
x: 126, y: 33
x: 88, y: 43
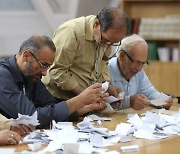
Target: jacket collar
x: 16, y: 72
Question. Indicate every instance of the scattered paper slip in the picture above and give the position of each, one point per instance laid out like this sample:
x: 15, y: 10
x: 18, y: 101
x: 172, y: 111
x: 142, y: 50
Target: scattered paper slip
x: 105, y: 87
x: 112, y: 99
x: 7, y: 150
x: 125, y: 139
x: 108, y: 109
x: 130, y: 148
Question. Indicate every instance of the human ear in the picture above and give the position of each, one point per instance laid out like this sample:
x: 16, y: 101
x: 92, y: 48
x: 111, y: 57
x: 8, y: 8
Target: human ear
x: 25, y: 55
x: 121, y: 56
x: 96, y: 24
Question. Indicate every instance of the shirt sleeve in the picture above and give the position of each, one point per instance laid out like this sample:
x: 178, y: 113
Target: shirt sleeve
x: 147, y: 88
x: 4, y: 122
x: 66, y: 45
x: 14, y: 101
x: 105, y: 73
x: 125, y: 103
x: 144, y: 86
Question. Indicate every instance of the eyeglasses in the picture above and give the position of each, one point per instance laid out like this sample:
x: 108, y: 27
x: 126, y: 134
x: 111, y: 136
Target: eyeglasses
x: 104, y: 41
x: 43, y: 65
x: 135, y: 62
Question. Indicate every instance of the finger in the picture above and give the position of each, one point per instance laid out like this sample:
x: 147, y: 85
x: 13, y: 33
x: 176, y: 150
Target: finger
x: 144, y: 102
x: 166, y: 106
x: 15, y: 140
x: 143, y: 96
x: 22, y: 130
x: 92, y: 107
x: 96, y: 85
x: 26, y: 129
x: 139, y: 104
x: 103, y: 105
x: 103, y: 98
x: 31, y: 127
x: 11, y: 141
x: 115, y: 93
x: 119, y: 90
x: 98, y: 91
x: 98, y: 96
x: 105, y: 94
x: 16, y: 136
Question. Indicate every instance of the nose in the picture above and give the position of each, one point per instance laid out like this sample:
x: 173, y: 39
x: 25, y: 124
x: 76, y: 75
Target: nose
x: 44, y: 72
x: 139, y: 67
x: 107, y: 46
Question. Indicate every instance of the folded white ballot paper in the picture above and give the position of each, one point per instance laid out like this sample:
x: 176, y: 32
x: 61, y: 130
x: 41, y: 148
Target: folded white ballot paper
x: 26, y: 120
x: 108, y: 109
x: 112, y: 99
x: 105, y: 86
x: 161, y: 100
x: 130, y: 148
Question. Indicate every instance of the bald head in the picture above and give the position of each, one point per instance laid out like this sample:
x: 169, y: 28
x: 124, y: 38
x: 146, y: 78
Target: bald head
x: 129, y: 42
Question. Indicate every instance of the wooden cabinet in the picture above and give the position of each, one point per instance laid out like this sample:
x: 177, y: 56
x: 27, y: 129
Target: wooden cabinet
x: 164, y: 75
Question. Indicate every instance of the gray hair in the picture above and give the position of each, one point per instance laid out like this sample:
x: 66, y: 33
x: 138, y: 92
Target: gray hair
x: 128, y: 42
x: 36, y: 42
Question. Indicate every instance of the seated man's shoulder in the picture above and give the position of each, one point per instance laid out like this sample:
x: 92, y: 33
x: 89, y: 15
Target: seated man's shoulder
x: 5, y: 69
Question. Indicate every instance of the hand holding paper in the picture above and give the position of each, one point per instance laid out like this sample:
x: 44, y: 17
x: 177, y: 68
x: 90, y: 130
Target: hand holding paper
x: 164, y: 101
x: 139, y: 101
x: 112, y: 99
x: 168, y: 104
x: 114, y: 91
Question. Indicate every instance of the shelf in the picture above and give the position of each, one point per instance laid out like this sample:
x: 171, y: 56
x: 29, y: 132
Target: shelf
x: 150, y: 8
x: 162, y: 39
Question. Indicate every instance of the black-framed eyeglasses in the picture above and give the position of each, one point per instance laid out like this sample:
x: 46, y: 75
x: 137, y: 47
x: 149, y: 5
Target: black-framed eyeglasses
x: 104, y: 41
x: 43, y: 65
x: 135, y: 62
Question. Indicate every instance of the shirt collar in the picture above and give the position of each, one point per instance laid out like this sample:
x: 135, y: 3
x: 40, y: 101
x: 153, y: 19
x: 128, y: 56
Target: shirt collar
x: 16, y: 73
x: 116, y: 70
x: 89, y: 28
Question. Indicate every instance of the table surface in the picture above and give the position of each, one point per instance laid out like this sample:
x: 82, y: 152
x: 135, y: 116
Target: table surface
x: 170, y: 145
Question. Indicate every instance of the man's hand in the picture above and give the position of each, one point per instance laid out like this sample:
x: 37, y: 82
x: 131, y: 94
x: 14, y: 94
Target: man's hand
x: 22, y: 129
x: 113, y: 91
x: 90, y: 95
x: 9, y: 137
x: 139, y: 101
x: 101, y: 105
x: 168, y: 104
x: 78, y: 90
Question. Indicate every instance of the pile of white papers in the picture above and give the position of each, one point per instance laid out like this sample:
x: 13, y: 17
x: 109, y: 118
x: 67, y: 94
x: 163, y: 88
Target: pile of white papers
x: 85, y: 138
x: 152, y: 125
x: 88, y: 136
